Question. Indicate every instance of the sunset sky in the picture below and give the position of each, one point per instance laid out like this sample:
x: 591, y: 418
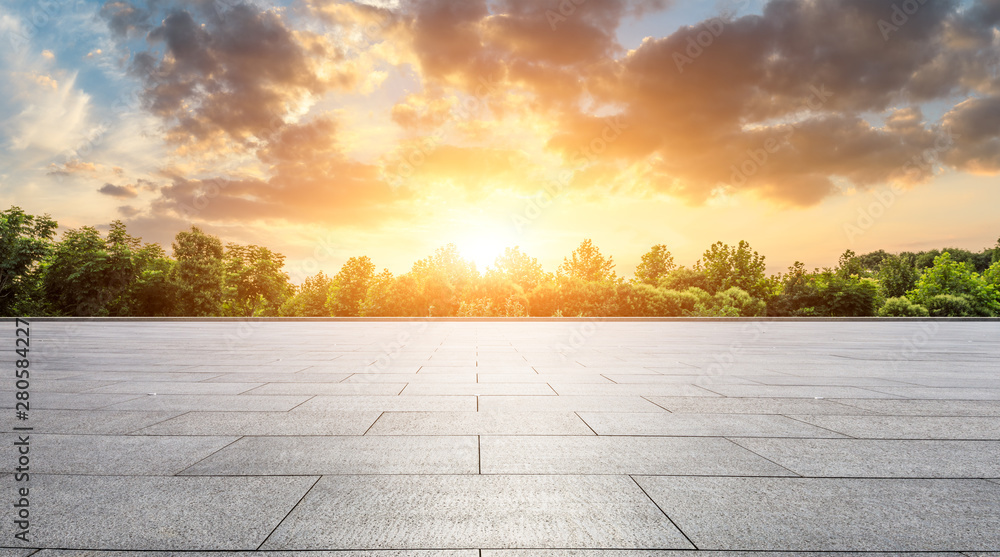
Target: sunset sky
x: 326, y: 129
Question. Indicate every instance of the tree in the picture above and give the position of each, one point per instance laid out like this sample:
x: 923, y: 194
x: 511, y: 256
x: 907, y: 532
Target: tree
x: 25, y: 240
x: 587, y: 264
x: 956, y: 279
x: 683, y: 278
x: 518, y: 268
x: 655, y: 265
x: 896, y: 275
x: 350, y: 287
x: 89, y: 275
x: 444, y: 279
x: 254, y: 283
x: 726, y: 267
x: 824, y: 294
x: 851, y: 265
x: 309, y: 300
x: 902, y: 307
x: 199, y: 273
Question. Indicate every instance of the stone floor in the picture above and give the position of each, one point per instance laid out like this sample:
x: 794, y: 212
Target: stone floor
x: 504, y: 439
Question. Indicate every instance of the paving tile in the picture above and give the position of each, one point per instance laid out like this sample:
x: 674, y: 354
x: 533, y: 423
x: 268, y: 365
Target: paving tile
x: 67, y: 401
x: 403, y: 378
x: 166, y: 513
x: 418, y: 512
x: 266, y: 423
x: 727, y: 405
x: 175, y: 388
x: 792, y: 391
x: 532, y: 377
x: 703, y: 425
x: 480, y: 423
x: 649, y: 379
x: 90, y: 421
x: 220, y: 403
x: 276, y: 456
x: 119, y: 454
x: 830, y: 514
x: 390, y: 403
x: 328, y: 389
x: 875, y: 458
x: 578, y: 389
x: 621, y: 455
x: 909, y: 427
x: 682, y: 553
x: 567, y: 404
x: 374, y: 553
x: 940, y: 393
x: 475, y: 389
x: 926, y: 407
x: 266, y: 377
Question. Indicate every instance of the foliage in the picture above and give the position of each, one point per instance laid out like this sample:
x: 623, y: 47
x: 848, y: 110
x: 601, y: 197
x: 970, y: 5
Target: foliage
x: 255, y: 285
x: 725, y: 267
x: 733, y: 302
x: 824, y: 294
x: 587, y: 264
x: 901, y: 306
x: 655, y: 265
x: 948, y: 277
x: 897, y: 274
x: 309, y: 300
x: 518, y: 268
x: 350, y: 287
x: 25, y: 240
x: 683, y: 278
x: 199, y: 274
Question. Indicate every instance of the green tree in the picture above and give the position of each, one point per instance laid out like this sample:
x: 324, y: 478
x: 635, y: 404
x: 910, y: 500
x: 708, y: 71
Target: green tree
x: 587, y: 264
x: 25, y: 240
x: 682, y: 278
x: 655, y: 265
x: 902, y: 307
x: 350, y: 287
x: 89, y: 275
x: 518, y: 268
x: 726, y: 267
x: 897, y: 274
x: 254, y: 284
x: 309, y: 300
x: 199, y: 274
x: 444, y: 280
x: 948, y: 277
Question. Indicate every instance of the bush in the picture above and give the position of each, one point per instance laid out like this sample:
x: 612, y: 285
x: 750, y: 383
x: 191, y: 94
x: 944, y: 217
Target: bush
x: 946, y: 305
x: 902, y: 307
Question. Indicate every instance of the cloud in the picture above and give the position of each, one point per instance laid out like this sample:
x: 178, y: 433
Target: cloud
x: 72, y: 166
x: 121, y: 192
x: 125, y: 19
x: 235, y: 76
x: 975, y: 125
x: 311, y: 181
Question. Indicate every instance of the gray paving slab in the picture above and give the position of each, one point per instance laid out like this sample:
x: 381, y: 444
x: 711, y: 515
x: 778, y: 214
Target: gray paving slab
x: 477, y: 389
x: 266, y: 423
x: 328, y: 389
x: 925, y: 407
x: 566, y: 404
x: 581, y: 389
x: 90, y: 421
x: 830, y: 514
x: 909, y: 427
x: 373, y: 553
x: 67, y: 385
x: 298, y: 377
x: 532, y: 377
x: 404, y: 378
x: 374, y: 512
x: 706, y: 425
x: 316, y: 455
x: 390, y: 403
x: 621, y: 455
x: 166, y: 513
x: 797, y: 391
x: 941, y: 393
x: 175, y: 388
x: 876, y: 458
x: 683, y: 553
x: 66, y: 401
x: 727, y: 405
x: 219, y: 403
x: 119, y: 454
x: 479, y: 423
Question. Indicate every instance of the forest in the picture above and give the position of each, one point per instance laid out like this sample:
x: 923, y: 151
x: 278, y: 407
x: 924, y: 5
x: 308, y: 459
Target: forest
x: 114, y: 274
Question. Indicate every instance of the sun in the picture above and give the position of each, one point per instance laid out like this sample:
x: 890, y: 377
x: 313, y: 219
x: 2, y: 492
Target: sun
x: 482, y: 248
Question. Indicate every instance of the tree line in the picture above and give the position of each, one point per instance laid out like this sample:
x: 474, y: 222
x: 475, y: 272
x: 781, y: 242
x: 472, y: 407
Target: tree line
x: 87, y: 273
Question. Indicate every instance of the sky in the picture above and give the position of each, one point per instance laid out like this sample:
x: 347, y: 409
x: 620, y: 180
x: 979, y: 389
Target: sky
x: 326, y: 129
